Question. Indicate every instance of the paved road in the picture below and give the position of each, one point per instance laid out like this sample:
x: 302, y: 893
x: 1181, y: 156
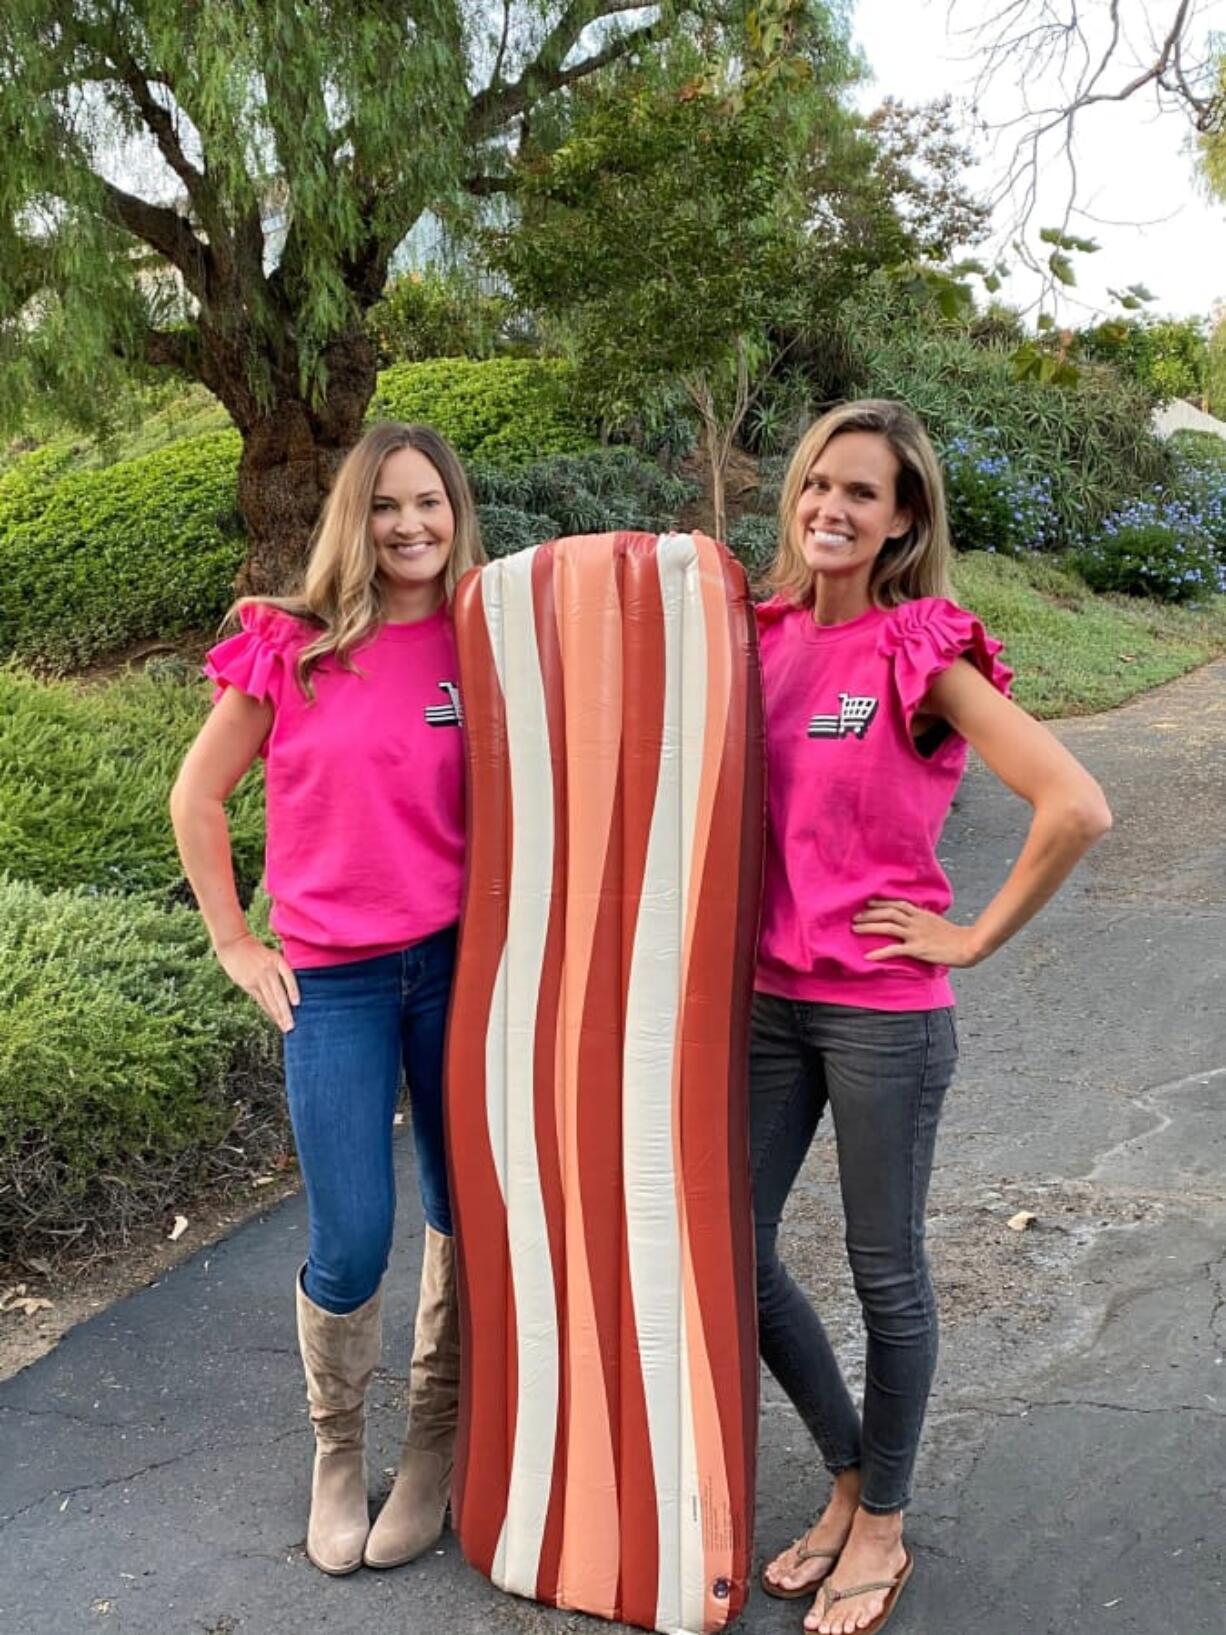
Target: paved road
x: 153, y: 1468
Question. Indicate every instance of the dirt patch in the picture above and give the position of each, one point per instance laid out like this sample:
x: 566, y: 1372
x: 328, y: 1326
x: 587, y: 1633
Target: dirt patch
x: 81, y: 1291
x: 741, y: 483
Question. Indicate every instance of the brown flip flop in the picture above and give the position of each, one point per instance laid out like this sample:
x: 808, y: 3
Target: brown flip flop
x: 803, y: 1554
x: 829, y: 1596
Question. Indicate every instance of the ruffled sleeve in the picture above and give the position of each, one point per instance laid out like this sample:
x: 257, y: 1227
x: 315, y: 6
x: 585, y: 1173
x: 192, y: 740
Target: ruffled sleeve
x: 925, y: 637
x: 259, y: 657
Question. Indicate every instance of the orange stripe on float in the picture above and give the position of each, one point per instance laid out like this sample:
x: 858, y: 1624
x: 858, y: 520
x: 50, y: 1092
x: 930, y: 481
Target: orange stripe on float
x: 587, y: 602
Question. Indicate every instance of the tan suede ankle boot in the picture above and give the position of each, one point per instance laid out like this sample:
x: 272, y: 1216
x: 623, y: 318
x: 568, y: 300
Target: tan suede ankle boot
x: 339, y: 1354
x: 412, y: 1519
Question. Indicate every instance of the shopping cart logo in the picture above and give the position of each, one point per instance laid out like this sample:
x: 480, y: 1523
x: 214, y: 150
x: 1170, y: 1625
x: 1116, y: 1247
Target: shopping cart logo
x: 446, y: 715
x: 852, y: 721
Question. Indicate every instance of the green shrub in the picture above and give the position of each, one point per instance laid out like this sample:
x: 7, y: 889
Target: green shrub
x: 148, y: 547
x: 1204, y: 449
x: 131, y: 1070
x: 29, y: 483
x: 609, y: 488
x: 506, y: 529
x: 1092, y: 441
x: 436, y: 314
x: 1153, y: 550
x: 501, y: 412
x: 994, y: 505
x: 754, y: 540
x: 84, y: 778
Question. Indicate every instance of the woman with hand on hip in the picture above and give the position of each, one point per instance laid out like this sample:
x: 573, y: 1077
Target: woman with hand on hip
x: 349, y: 692
x: 875, y: 683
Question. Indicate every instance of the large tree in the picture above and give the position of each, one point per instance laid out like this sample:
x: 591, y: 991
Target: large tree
x: 218, y: 186
x: 705, y: 212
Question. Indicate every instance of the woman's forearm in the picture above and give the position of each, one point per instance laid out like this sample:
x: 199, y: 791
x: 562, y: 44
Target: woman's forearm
x: 203, y: 836
x: 1061, y: 833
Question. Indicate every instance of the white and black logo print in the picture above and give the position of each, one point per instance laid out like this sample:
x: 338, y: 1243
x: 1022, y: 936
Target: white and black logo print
x: 446, y: 715
x: 853, y: 720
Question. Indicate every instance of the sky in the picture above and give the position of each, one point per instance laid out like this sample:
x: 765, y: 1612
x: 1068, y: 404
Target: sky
x: 1155, y: 226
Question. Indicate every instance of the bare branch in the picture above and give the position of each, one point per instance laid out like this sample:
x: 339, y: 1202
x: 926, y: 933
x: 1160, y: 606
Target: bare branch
x: 491, y: 108
x: 1088, y: 52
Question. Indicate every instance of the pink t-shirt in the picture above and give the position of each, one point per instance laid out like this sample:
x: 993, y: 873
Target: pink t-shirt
x: 855, y: 806
x: 364, y: 787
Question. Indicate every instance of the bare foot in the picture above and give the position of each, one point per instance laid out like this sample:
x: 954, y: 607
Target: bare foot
x: 800, y: 1566
x: 873, y: 1554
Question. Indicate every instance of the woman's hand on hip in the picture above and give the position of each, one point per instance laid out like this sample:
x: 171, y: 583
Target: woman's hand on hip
x: 262, y: 973
x: 919, y: 934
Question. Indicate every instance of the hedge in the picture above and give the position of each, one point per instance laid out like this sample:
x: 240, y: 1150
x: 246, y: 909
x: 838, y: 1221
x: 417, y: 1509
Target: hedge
x: 500, y: 411
x: 84, y: 777
x: 131, y: 1070
x: 146, y: 548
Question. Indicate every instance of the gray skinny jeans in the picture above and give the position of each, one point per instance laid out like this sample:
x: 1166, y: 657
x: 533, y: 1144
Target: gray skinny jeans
x: 884, y: 1074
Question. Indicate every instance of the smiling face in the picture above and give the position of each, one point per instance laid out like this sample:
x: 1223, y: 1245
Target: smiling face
x: 848, y: 507
x: 412, y: 526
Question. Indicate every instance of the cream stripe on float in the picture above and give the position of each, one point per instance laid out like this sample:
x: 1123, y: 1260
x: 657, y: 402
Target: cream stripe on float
x: 653, y: 1244
x: 693, y: 677
x: 531, y: 882
x: 712, y: 1473
x: 496, y: 1028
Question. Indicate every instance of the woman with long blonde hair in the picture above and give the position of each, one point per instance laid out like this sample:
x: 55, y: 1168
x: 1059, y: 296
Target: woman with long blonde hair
x: 875, y: 683
x: 349, y: 691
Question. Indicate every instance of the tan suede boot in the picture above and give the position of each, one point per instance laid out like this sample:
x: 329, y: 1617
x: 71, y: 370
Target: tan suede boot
x: 412, y: 1519
x: 339, y: 1354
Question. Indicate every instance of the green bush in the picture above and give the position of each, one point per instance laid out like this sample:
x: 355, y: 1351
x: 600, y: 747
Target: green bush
x: 436, y: 315
x: 1092, y: 440
x: 1153, y: 550
x: 501, y: 412
x: 506, y: 529
x: 608, y: 489
x: 84, y: 778
x: 611, y: 488
x: 993, y: 504
x: 754, y: 540
x: 131, y: 1070
x: 148, y: 547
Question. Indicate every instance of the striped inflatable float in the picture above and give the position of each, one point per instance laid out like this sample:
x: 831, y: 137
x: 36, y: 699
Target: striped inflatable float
x: 596, y: 1094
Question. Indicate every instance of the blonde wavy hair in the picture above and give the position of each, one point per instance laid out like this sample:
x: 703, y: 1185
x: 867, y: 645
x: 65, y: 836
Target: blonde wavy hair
x: 341, y: 592
x: 917, y: 564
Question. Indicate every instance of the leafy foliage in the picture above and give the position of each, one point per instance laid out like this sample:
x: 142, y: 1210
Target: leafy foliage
x: 1167, y: 357
x: 577, y: 494
x: 506, y: 529
x: 1154, y: 548
x: 994, y: 504
x: 84, y: 777
x: 145, y: 548
x: 131, y: 1070
x: 503, y: 411
x: 437, y: 314
x: 1091, y: 439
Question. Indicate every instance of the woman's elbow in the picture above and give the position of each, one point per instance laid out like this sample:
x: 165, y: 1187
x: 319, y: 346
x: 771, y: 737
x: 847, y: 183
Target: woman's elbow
x: 1087, y: 815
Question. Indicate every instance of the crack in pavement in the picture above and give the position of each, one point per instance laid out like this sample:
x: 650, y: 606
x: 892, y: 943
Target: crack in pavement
x: 209, y: 1445
x: 1144, y: 1102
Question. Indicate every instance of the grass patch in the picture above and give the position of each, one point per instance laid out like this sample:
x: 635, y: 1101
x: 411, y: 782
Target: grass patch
x: 1076, y: 652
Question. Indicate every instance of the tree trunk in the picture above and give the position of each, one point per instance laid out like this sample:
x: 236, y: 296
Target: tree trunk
x: 291, y: 453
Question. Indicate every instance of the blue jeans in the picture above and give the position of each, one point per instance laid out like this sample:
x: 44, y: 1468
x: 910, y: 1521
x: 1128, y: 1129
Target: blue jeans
x: 884, y: 1075
x: 358, y: 1026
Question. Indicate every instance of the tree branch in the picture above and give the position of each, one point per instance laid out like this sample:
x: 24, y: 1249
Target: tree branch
x: 172, y: 349
x: 492, y: 107
x: 164, y: 230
